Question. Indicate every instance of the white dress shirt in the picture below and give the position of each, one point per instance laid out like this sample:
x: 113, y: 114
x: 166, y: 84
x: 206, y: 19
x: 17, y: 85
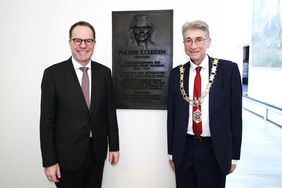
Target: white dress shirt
x: 79, y: 73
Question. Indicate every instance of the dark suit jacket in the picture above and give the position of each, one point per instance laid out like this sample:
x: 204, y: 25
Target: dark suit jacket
x: 225, y: 114
x: 65, y: 120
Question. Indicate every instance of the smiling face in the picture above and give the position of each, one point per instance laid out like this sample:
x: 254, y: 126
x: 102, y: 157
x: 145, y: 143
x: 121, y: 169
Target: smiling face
x: 196, y: 45
x: 82, y: 52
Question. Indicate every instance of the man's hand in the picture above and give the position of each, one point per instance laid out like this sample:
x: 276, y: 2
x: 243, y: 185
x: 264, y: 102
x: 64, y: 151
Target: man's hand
x: 113, y: 157
x: 233, y: 166
x: 171, y: 163
x: 53, y: 173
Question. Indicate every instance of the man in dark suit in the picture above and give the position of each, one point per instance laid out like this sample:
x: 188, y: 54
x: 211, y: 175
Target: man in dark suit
x: 78, y: 116
x: 204, y: 114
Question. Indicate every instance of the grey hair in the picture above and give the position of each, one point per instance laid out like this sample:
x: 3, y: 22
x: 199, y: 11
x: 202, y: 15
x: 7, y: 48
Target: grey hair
x: 197, y: 24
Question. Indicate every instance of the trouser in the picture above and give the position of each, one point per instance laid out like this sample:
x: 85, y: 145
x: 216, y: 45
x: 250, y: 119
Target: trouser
x: 199, y: 168
x: 88, y: 176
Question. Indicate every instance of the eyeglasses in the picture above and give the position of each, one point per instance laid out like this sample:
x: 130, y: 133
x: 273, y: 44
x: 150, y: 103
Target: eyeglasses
x: 78, y: 42
x: 197, y: 41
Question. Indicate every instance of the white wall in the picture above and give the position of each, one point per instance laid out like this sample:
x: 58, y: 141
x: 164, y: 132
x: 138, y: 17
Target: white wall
x: 34, y: 35
x: 265, y: 85
x: 262, y: 80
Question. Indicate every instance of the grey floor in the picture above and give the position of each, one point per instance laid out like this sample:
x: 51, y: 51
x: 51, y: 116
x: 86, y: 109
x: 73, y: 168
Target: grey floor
x: 261, y: 155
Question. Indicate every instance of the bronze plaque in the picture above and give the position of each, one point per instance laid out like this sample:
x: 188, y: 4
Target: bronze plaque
x: 142, y: 58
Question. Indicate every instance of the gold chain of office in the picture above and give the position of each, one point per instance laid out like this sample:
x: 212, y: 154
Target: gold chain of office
x: 197, y: 101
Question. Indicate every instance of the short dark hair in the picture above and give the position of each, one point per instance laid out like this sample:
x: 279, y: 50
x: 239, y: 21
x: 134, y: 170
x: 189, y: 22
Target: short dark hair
x: 82, y: 23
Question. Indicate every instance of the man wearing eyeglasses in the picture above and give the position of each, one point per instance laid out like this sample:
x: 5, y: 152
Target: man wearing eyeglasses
x: 78, y: 117
x: 204, y: 123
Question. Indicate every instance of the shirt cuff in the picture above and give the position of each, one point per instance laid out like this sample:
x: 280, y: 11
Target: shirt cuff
x: 170, y: 157
x: 234, y: 162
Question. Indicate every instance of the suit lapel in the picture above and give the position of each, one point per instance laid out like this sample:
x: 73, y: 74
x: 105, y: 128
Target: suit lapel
x: 94, y: 79
x: 186, y: 83
x: 212, y: 89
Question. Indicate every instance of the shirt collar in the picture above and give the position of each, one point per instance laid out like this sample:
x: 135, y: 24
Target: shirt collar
x: 204, y: 64
x: 76, y: 65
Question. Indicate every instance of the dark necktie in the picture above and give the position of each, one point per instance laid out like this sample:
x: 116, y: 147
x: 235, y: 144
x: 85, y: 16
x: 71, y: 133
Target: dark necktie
x: 85, y: 85
x: 197, y: 114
